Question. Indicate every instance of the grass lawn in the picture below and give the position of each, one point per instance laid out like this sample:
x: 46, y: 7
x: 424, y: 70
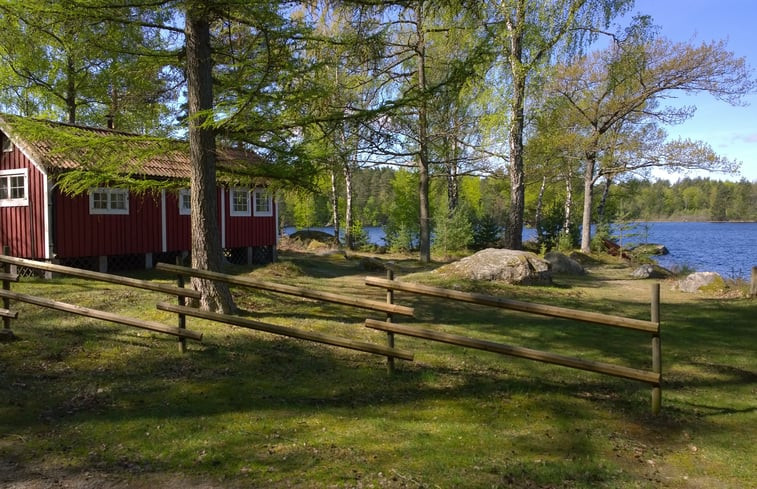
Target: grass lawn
x: 90, y: 404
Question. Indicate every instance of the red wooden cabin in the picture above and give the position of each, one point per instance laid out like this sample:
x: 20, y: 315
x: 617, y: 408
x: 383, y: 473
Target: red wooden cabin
x: 112, y: 227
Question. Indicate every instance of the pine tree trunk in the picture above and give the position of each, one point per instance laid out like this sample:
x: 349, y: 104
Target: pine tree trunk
x: 206, y: 245
x: 71, y: 90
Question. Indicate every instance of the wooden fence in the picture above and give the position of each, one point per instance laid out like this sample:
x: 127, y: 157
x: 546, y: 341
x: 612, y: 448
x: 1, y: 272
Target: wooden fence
x: 389, y: 308
x: 652, y: 327
x: 7, y: 295
x: 182, y: 310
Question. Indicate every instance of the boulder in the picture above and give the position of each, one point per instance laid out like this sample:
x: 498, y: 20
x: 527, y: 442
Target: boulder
x: 564, y: 264
x: 650, y: 270
x: 650, y: 249
x: 312, y: 234
x: 701, y: 282
x: 511, y: 266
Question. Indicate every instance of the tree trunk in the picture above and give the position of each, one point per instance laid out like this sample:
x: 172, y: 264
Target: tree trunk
x: 453, y: 187
x: 335, y: 205
x: 602, y: 207
x: 70, y: 90
x: 348, y: 239
x: 568, y: 216
x: 514, y: 231
x: 423, y: 170
x: 588, y: 202
x: 206, y: 246
x: 540, y: 204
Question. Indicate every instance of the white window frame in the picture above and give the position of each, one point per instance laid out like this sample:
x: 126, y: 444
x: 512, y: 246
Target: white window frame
x: 184, y: 210
x: 259, y: 192
x: 7, y: 175
x: 232, y: 198
x: 110, y: 193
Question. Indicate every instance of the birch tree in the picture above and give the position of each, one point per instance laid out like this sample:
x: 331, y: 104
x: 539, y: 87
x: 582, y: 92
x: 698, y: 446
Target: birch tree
x: 529, y: 34
x: 618, y: 95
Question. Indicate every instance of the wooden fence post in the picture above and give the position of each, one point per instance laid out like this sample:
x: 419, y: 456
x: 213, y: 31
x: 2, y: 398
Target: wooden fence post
x: 182, y: 301
x: 656, y: 350
x: 753, y: 292
x: 389, y: 335
x: 6, y: 286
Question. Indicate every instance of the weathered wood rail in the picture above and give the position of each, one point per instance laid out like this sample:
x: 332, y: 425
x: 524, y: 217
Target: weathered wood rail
x: 333, y: 340
x: 653, y: 376
x: 7, y: 295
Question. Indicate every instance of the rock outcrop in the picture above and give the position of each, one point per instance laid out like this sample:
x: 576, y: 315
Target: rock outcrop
x: 650, y: 249
x: 650, y: 271
x: 563, y: 264
x: 511, y: 266
x: 701, y: 282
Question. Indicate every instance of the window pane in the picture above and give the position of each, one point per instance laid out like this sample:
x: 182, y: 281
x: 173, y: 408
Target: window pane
x: 118, y: 200
x: 239, y: 199
x: 99, y: 200
x: 3, y: 187
x: 186, y: 201
x: 18, y: 187
x: 262, y: 202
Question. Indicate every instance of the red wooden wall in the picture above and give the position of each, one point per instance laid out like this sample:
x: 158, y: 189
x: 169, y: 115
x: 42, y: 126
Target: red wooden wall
x: 22, y: 228
x: 77, y: 233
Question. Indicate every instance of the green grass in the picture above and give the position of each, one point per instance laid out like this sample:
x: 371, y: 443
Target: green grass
x: 86, y: 399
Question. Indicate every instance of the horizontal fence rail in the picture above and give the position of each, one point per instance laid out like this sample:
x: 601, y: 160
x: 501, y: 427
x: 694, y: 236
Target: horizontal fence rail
x: 287, y: 331
x: 517, y: 351
x: 653, y: 377
x: 544, y: 310
x: 6, y: 294
x: 97, y: 314
x: 289, y: 290
x: 102, y: 277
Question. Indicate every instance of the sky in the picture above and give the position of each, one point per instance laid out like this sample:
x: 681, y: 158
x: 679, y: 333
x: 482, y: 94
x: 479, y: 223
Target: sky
x: 731, y: 131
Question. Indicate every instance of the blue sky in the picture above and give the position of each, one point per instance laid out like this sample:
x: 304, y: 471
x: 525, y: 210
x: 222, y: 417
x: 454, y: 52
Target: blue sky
x: 731, y: 131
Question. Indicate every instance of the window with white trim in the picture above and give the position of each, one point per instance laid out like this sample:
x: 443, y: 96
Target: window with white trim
x: 263, y: 203
x: 105, y: 200
x: 14, y: 190
x: 239, y: 202
x: 185, y: 202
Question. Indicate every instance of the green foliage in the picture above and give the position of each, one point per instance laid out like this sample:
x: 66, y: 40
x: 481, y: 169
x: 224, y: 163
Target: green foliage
x: 486, y: 232
x: 697, y: 199
x: 453, y: 232
x: 402, y: 227
x: 551, y: 234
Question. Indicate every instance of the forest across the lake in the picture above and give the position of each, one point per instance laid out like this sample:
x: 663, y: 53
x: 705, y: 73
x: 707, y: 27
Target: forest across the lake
x: 380, y: 196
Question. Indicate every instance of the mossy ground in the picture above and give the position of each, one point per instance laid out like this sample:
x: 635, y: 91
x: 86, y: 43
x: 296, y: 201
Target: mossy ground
x: 89, y: 404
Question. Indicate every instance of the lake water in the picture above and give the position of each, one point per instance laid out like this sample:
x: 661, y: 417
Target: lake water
x: 729, y: 248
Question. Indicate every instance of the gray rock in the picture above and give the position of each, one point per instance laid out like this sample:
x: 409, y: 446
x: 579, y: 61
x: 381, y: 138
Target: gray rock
x: 511, y: 266
x: 701, y: 282
x: 650, y: 249
x: 564, y: 264
x: 650, y: 271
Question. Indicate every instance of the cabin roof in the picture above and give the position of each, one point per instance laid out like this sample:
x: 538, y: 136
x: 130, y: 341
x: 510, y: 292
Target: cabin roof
x: 58, y: 146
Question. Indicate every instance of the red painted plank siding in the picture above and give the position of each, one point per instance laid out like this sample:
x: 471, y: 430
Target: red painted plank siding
x: 177, y: 226
x: 22, y: 228
x: 242, y: 231
x: 79, y: 233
